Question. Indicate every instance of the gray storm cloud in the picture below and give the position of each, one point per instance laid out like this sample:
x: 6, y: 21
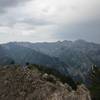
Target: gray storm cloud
x: 4, y: 4
x: 49, y: 20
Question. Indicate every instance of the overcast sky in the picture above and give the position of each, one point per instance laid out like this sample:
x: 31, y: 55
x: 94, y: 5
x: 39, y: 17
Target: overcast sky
x: 49, y: 20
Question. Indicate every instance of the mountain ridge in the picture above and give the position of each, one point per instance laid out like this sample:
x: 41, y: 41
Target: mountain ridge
x: 78, y: 56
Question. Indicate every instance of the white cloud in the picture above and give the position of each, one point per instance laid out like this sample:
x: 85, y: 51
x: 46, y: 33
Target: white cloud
x: 41, y: 20
x: 59, y: 11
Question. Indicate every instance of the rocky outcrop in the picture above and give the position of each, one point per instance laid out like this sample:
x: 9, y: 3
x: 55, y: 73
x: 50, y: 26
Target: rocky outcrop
x: 19, y: 84
x: 81, y: 94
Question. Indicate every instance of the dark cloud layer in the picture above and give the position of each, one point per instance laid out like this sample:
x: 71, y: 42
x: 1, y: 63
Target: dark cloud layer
x: 89, y: 31
x: 4, y: 4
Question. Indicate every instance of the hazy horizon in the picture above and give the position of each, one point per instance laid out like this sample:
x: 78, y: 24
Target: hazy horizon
x: 47, y: 41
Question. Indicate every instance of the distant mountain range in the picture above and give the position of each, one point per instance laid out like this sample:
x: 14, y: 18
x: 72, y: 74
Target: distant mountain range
x: 75, y: 58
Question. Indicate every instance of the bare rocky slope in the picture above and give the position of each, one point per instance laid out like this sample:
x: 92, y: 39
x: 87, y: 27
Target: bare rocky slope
x: 18, y: 83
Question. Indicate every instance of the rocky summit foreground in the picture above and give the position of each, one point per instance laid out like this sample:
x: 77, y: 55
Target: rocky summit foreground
x: 30, y: 84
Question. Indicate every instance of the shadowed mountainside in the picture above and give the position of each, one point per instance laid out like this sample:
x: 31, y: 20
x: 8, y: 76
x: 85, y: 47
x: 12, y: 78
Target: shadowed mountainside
x: 77, y: 56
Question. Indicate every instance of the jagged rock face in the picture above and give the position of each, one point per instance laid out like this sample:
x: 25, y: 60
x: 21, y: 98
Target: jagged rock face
x: 81, y: 94
x: 25, y: 84
x: 58, y: 96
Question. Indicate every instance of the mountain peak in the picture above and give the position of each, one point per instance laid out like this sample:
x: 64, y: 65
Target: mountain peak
x: 80, y: 41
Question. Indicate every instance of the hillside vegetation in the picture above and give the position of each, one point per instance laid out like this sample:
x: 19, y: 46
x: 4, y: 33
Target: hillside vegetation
x: 95, y: 83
